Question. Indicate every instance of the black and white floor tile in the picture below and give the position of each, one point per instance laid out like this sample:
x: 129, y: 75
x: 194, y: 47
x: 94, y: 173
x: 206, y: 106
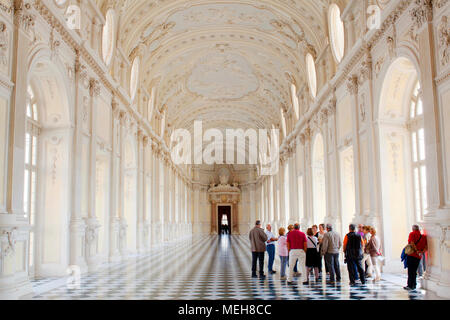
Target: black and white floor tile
x: 209, y: 268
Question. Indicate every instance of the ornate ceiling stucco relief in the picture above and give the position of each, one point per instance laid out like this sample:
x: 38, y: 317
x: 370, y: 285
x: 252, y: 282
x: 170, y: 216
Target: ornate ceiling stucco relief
x: 224, y: 62
x: 222, y: 76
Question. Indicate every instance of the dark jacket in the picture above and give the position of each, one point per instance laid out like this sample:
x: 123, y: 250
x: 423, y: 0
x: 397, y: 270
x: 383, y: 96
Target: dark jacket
x: 354, y: 249
x: 258, y: 239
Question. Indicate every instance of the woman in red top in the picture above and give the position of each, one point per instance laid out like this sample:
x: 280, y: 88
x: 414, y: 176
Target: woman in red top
x: 419, y: 242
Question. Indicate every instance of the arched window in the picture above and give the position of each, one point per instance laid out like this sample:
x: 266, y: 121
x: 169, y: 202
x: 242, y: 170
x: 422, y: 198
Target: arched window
x: 416, y: 125
x: 312, y: 76
x: 134, y: 79
x: 295, y: 103
x: 283, y: 122
x: 151, y: 105
x: 31, y: 167
x: 163, y: 124
x: 108, y: 37
x: 337, y: 36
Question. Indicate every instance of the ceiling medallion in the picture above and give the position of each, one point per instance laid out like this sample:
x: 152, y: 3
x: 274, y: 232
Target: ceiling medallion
x: 222, y: 75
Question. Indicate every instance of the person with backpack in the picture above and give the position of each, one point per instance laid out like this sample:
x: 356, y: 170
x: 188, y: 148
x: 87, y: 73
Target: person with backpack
x: 353, y: 249
x: 417, y: 246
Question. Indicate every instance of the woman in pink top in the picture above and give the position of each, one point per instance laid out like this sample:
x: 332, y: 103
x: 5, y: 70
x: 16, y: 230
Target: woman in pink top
x: 283, y: 252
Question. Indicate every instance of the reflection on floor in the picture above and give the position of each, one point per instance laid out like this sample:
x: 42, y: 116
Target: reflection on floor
x: 208, y: 267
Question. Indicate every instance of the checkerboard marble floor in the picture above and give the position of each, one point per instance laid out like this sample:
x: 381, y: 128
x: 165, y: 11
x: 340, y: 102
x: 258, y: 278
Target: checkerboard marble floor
x: 208, y: 267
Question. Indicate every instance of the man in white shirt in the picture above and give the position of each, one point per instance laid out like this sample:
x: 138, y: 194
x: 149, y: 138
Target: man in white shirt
x: 270, y: 247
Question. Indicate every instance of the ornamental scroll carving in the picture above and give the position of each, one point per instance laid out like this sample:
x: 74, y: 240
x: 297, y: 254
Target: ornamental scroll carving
x: 11, y: 244
x: 444, y: 41
x: 4, y: 46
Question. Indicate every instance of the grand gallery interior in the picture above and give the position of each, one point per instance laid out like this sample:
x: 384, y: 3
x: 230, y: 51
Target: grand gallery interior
x: 91, y: 92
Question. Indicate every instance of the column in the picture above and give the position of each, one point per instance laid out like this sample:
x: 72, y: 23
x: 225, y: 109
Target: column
x: 114, y: 254
x: 352, y: 86
x: 308, y: 196
x: 14, y: 229
x: 437, y: 217
x: 333, y: 173
x: 140, y: 237
x: 92, y: 224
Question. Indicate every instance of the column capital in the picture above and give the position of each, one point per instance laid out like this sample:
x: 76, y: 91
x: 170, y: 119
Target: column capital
x: 352, y: 84
x: 94, y: 87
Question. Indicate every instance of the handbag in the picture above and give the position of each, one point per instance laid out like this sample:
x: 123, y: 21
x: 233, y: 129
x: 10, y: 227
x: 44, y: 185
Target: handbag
x: 315, y: 246
x: 409, y: 249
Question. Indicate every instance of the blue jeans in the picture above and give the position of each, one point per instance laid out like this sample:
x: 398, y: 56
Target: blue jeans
x: 283, y: 264
x: 271, y: 251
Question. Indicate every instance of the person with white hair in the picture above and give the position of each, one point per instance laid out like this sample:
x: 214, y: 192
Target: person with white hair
x: 331, y: 244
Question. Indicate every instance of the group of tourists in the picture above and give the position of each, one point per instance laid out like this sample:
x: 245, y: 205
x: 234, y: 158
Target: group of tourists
x: 302, y: 254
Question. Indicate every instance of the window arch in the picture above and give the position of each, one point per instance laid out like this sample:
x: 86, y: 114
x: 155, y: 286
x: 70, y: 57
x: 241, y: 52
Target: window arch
x: 109, y: 37
x: 418, y: 156
x: 295, y: 103
x: 336, y: 29
x: 283, y: 122
x: 312, y: 76
x: 134, y: 79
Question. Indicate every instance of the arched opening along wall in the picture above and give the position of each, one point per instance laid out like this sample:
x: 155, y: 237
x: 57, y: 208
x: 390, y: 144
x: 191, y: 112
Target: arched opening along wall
x: 402, y: 157
x: 318, y: 180
x: 130, y: 193
x: 47, y: 168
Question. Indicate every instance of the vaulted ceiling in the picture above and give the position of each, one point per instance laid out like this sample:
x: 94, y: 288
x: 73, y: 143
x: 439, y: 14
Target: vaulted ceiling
x: 230, y: 63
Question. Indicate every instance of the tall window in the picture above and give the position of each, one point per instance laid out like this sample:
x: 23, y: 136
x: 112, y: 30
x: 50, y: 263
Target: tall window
x: 108, y: 37
x: 312, y: 76
x: 416, y: 125
x: 336, y: 32
x: 134, y: 79
x: 295, y: 103
x: 30, y: 174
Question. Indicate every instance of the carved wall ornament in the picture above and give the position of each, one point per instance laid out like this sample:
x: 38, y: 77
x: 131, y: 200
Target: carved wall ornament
x: 22, y: 18
x: 378, y: 65
x: 54, y: 45
x: 390, y: 41
x: 422, y: 12
x: 94, y: 87
x: 11, y: 245
x: 352, y: 84
x: 4, y: 44
x: 444, y: 41
x: 91, y: 233
x: 362, y: 108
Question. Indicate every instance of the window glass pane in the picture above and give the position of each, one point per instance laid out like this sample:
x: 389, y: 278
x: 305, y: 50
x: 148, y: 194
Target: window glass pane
x: 416, y: 89
x: 414, y: 146
x: 30, y: 92
x: 421, y: 144
x: 419, y: 107
x: 413, y: 110
x: 417, y: 193
x: 33, y: 198
x: 34, y: 151
x: 423, y: 180
x: 35, y: 117
x: 31, y: 255
x: 26, y: 190
x: 27, y: 148
x: 29, y: 114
